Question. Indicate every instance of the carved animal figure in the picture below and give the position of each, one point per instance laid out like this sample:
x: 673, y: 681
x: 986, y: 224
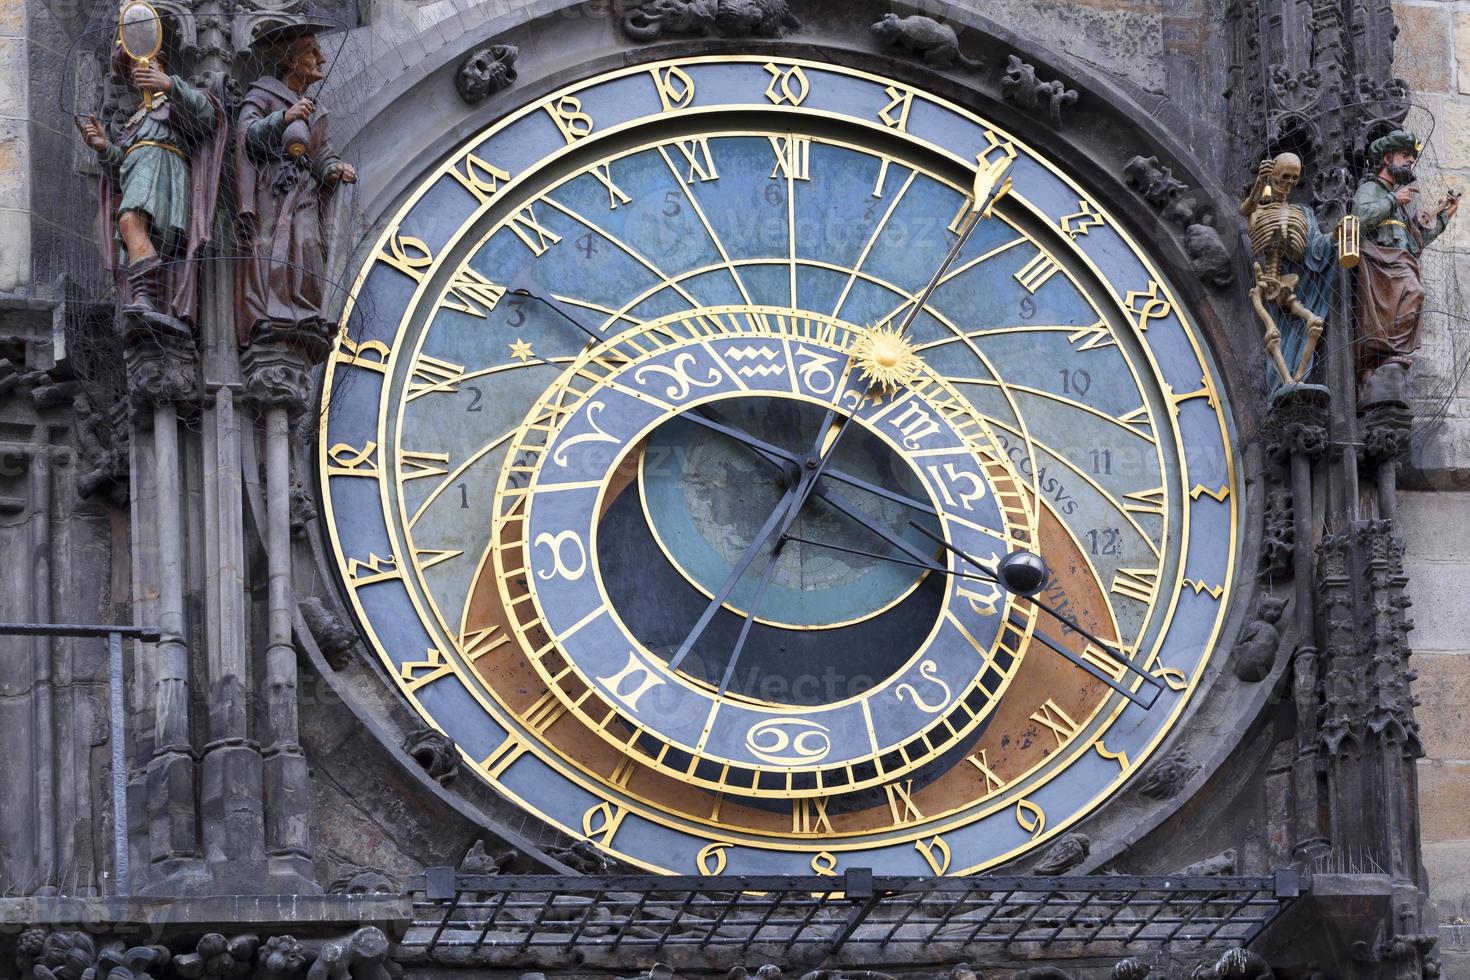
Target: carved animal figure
x: 1255, y: 653
x: 1021, y: 85
x: 726, y: 18
x: 1280, y: 231
x: 1064, y: 855
x: 926, y: 37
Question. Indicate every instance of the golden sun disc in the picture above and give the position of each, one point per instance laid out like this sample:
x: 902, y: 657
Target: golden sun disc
x: 886, y: 357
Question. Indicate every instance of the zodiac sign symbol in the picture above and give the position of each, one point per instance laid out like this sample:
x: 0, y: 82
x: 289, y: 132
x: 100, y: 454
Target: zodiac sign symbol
x: 815, y: 371
x: 594, y: 409
x: 788, y: 741
x: 930, y: 672
x: 555, y: 543
x: 680, y: 375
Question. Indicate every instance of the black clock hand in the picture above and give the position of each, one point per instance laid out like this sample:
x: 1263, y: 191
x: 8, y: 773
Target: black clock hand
x: 1067, y: 622
x: 774, y: 454
x: 979, y: 208
x: 760, y: 593
x: 758, y: 542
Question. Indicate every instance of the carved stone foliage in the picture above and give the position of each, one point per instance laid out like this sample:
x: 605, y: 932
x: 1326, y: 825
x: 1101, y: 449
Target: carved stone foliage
x: 162, y: 369
x: 277, y: 375
x: 1386, y: 427
x: 927, y: 39
x: 1020, y: 85
x: 435, y: 752
x: 1255, y: 652
x: 361, y: 955
x: 1171, y: 198
x: 1167, y: 777
x: 1279, y: 537
x: 485, y: 71
x: 1064, y: 855
x: 653, y: 19
x: 366, y: 882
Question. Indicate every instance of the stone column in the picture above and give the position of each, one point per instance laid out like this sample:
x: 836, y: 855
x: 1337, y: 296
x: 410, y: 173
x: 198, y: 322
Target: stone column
x: 162, y: 371
x: 1298, y: 417
x: 277, y: 382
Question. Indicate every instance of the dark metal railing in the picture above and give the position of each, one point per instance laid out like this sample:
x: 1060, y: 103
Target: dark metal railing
x: 504, y: 916
x: 116, y: 718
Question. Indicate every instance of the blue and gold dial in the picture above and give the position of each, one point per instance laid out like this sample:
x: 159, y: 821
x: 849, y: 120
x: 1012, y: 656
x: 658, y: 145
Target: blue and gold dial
x: 654, y: 404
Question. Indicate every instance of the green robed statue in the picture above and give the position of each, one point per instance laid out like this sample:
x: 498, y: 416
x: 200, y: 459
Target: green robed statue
x: 1390, y: 297
x: 159, y: 182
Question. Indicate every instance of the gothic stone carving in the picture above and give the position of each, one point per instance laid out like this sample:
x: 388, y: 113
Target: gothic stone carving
x: 1223, y: 863
x: 366, y: 882
x: 925, y: 38
x: 1064, y: 855
x: 362, y: 955
x: 1021, y: 86
x: 1235, y: 964
x: 334, y: 638
x: 1278, y: 541
x: 1167, y: 776
x: 1255, y: 651
x: 287, y: 171
x: 1208, y: 256
x: 485, y: 71
x: 1132, y: 968
x: 161, y: 368
x: 102, y: 440
x: 435, y: 752
x: 653, y: 19
x: 1292, y: 255
x: 276, y: 372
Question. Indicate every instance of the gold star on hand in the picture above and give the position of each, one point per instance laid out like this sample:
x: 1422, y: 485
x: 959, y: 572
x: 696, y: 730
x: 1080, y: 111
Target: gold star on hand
x: 521, y: 350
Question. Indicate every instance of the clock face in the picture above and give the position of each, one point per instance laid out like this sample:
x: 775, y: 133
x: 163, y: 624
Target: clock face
x: 655, y: 491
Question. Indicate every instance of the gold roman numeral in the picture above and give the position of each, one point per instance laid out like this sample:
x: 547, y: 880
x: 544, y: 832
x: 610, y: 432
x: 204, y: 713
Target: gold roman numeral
x: 1061, y: 724
x: 375, y: 569
x: 696, y: 153
x: 901, y: 802
x: 615, y: 195
x: 431, y: 374
x: 992, y: 781
x: 416, y: 464
x: 793, y: 156
x: 525, y: 225
x: 470, y: 292
x: 475, y: 645
x: 1136, y: 583
x: 1090, y: 338
x: 1034, y: 274
x: 1145, y: 501
x: 809, y: 816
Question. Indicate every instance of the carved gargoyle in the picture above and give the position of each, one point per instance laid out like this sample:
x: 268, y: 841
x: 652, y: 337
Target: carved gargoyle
x: 1021, y: 86
x: 435, y: 752
x: 1255, y: 652
x: 485, y: 71
x: 1064, y: 855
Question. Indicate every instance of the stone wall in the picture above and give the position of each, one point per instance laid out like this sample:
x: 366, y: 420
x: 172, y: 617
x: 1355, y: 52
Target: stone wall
x: 1433, y: 54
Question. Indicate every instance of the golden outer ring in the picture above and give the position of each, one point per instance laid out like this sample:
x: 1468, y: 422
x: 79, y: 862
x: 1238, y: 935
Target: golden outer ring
x: 1215, y: 395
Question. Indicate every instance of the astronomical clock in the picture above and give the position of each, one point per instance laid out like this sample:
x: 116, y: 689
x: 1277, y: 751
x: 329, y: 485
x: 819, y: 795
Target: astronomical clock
x: 761, y: 466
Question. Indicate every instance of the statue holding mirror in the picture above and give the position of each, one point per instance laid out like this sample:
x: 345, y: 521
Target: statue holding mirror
x: 288, y: 172
x: 159, y: 181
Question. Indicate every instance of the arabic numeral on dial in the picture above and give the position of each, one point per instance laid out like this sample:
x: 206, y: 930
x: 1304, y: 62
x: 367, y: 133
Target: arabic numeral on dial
x: 1028, y: 307
x: 587, y: 245
x: 517, y: 313
x: 773, y: 194
x: 476, y: 396
x: 1104, y: 542
x: 1102, y: 461
x: 672, y: 208
x: 1075, y: 381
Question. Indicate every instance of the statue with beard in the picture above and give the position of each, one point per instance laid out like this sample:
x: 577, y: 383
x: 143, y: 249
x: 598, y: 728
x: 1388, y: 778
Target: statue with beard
x: 1390, y: 296
x: 287, y: 172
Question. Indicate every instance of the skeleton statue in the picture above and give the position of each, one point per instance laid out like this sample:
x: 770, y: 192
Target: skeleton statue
x: 1293, y: 268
